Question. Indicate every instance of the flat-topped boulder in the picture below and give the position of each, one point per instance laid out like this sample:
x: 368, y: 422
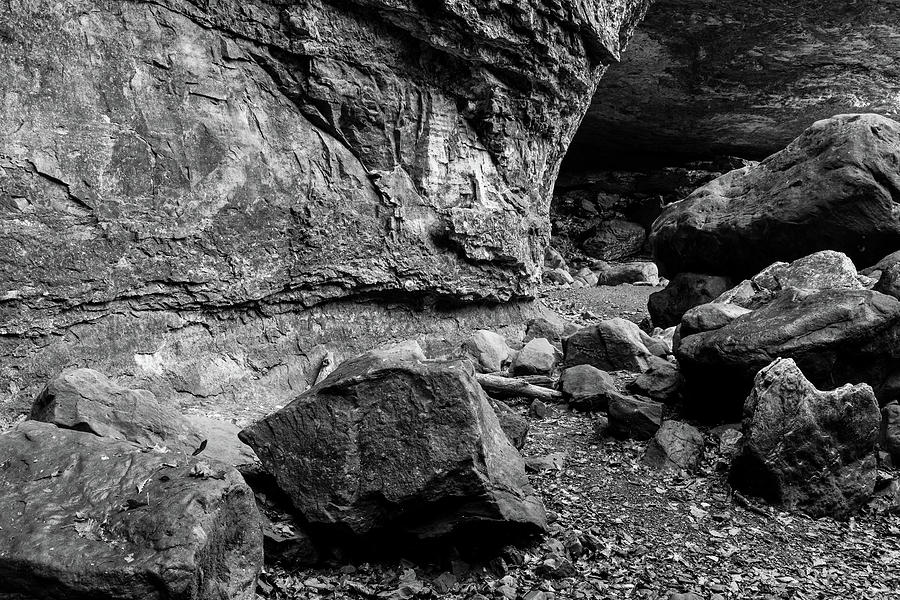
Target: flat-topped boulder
x: 394, y: 446
x: 88, y: 517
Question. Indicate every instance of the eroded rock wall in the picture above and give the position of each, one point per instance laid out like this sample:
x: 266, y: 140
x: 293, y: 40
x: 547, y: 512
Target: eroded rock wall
x: 195, y: 194
x: 705, y: 78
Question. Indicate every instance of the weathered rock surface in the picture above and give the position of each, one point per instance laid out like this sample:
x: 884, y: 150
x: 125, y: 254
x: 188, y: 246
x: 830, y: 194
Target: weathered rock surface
x: 890, y: 431
x: 630, y: 272
x: 611, y: 345
x: 87, y: 517
x: 222, y: 443
x: 287, y: 157
x: 514, y: 425
x: 835, y: 337
x: 87, y: 400
x: 824, y: 270
x: 710, y: 316
x: 807, y: 449
x: 675, y: 446
x: 889, y: 281
x: 833, y: 188
x: 662, y: 382
x: 587, y: 388
x: 634, y: 418
x: 489, y: 350
x: 392, y: 446
x: 538, y: 357
x: 615, y: 239
x: 684, y: 292
x: 705, y: 78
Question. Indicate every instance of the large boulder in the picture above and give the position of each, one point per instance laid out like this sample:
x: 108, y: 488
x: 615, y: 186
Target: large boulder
x: 611, y: 345
x: 807, y: 449
x: 400, y: 448
x: 87, y: 517
x: 684, y: 292
x: 835, y: 337
x: 824, y: 270
x: 87, y: 400
x: 203, y: 219
x: 703, y: 78
x: 834, y: 187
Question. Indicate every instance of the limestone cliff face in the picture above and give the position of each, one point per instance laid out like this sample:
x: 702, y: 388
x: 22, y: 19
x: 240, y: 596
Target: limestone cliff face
x: 704, y: 78
x: 187, y: 186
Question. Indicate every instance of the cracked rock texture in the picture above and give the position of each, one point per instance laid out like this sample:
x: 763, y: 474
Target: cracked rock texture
x: 704, y: 78
x: 88, y: 517
x: 194, y: 193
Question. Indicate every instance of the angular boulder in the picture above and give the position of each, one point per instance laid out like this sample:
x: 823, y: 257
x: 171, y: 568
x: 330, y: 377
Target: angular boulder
x: 684, y: 292
x: 835, y: 337
x: 634, y: 418
x: 806, y: 449
x: 587, y: 388
x: 611, y: 345
x: 87, y: 517
x: 825, y: 270
x: 87, y: 400
x: 834, y: 187
x: 661, y: 382
x: 675, y: 446
x: 398, y: 447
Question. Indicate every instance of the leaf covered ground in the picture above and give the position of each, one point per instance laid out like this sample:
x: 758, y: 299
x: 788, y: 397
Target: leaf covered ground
x: 621, y: 530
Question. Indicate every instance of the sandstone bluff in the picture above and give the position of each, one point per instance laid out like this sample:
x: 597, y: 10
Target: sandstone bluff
x: 195, y: 196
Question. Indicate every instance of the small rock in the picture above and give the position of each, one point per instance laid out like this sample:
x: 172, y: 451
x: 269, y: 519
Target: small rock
x: 553, y: 259
x: 540, y: 409
x: 539, y: 464
x: 557, y: 276
x: 675, y: 446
